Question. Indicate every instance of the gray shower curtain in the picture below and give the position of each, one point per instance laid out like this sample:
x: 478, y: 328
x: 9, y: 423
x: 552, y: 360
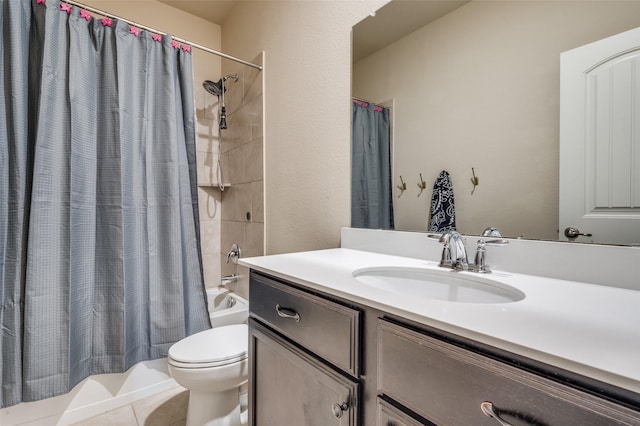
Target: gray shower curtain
x: 371, y: 195
x: 99, y: 242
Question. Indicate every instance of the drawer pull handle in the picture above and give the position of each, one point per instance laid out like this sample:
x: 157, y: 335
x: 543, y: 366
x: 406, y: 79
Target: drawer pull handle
x: 489, y: 411
x: 338, y: 409
x: 287, y: 313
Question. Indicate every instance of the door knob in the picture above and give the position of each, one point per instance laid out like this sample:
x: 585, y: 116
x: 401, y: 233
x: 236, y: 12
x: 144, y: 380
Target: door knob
x: 573, y: 233
x: 339, y: 408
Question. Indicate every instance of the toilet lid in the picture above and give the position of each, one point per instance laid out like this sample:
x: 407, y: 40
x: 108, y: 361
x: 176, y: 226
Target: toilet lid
x: 228, y: 343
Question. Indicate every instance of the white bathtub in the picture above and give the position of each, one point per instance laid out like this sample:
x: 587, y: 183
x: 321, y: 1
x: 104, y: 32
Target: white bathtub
x: 226, y: 308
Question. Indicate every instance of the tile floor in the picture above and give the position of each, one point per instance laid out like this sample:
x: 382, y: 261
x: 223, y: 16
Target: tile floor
x: 168, y: 408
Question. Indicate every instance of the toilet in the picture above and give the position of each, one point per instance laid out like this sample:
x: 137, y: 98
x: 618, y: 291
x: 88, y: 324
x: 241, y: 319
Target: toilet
x: 213, y: 365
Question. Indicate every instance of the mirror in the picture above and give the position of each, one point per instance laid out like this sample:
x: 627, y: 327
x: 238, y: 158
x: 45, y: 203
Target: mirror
x: 474, y: 90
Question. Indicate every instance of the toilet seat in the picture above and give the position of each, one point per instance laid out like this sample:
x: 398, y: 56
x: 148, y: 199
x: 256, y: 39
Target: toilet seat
x: 211, y: 348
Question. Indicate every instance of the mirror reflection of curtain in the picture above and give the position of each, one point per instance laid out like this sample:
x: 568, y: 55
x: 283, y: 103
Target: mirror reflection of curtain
x: 371, y: 194
x: 99, y: 243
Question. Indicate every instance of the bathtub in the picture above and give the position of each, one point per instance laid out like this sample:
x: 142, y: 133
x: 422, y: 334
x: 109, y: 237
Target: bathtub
x: 226, y: 308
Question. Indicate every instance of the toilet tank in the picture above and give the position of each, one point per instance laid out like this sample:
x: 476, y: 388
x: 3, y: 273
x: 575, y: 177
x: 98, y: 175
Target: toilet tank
x: 226, y: 308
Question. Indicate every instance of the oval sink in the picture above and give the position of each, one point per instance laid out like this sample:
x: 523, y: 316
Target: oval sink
x: 441, y: 285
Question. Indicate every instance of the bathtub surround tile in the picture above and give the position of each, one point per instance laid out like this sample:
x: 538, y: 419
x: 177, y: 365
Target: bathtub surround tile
x: 209, y: 236
x: 243, y: 129
x: 252, y: 83
x: 206, y: 103
x: 257, y: 201
x: 255, y: 118
x: 211, y: 270
x: 242, y: 285
x: 229, y: 134
x: 242, y: 147
x: 242, y: 202
x: 224, y: 160
x: 209, y: 203
x: 227, y: 268
x: 235, y: 170
x: 207, y: 167
x: 235, y: 93
x: 253, y: 161
x: 254, y: 239
x: 232, y: 232
x: 229, y: 204
x: 206, y: 135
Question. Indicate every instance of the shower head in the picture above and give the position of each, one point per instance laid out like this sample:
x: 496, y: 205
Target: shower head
x: 216, y: 89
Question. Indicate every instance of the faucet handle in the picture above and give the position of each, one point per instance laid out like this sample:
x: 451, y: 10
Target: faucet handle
x: 501, y: 242
x: 480, y: 264
x: 234, y: 254
x: 491, y: 232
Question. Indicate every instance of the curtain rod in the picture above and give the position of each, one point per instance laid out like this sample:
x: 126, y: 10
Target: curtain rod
x: 152, y: 30
x: 366, y: 102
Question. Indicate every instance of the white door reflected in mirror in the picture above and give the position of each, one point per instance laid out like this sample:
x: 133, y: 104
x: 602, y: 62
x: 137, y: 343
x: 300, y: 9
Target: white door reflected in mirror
x: 600, y: 141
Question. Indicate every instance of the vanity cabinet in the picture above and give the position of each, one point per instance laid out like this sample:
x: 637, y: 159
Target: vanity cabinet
x: 449, y: 385
x: 304, y: 357
x: 317, y: 360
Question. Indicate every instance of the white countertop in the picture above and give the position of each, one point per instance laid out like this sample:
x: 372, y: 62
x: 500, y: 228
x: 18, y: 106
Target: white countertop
x: 588, y: 329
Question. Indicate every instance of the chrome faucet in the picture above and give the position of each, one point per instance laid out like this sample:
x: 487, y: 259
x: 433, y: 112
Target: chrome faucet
x: 480, y: 264
x: 458, y: 261
x: 454, y: 253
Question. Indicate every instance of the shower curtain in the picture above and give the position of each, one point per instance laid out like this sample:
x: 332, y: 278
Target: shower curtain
x: 99, y: 242
x: 371, y: 195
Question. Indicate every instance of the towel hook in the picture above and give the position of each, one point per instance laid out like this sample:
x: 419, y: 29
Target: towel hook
x: 402, y: 187
x: 422, y: 185
x: 474, y: 180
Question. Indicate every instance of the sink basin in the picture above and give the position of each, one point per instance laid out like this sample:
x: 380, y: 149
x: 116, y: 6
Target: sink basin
x: 441, y: 285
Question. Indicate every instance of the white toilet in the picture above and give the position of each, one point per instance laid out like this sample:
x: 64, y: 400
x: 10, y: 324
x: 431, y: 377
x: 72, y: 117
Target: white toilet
x: 213, y: 365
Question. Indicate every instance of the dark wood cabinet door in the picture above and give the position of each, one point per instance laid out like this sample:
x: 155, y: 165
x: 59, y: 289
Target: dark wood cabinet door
x: 289, y: 387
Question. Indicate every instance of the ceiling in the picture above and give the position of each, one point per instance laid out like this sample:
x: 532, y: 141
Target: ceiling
x: 399, y: 18
x: 212, y: 10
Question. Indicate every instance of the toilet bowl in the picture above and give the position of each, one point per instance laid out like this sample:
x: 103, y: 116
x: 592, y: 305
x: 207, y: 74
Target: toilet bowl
x: 213, y: 365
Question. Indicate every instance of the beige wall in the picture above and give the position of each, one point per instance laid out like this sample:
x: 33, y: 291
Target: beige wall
x: 307, y: 60
x: 480, y: 88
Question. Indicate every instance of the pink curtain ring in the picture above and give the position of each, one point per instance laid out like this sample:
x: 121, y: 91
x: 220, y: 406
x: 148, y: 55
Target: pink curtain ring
x: 66, y: 8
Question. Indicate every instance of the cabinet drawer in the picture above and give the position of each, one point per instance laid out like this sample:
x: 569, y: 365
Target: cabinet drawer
x: 326, y: 328
x: 447, y: 385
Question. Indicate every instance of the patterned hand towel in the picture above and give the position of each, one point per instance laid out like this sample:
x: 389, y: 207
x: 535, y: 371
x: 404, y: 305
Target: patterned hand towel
x: 443, y: 212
